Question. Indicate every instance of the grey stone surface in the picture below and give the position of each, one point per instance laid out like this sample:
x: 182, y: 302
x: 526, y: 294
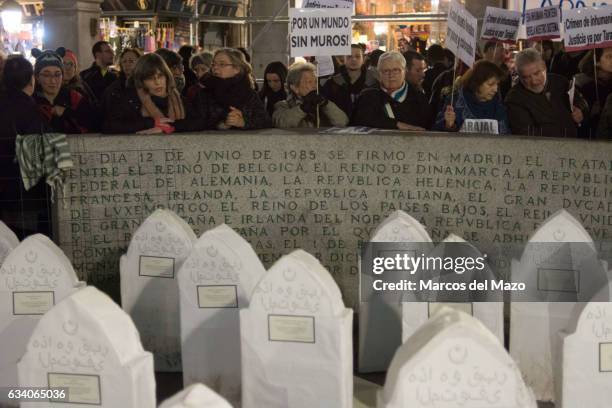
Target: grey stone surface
x: 326, y: 193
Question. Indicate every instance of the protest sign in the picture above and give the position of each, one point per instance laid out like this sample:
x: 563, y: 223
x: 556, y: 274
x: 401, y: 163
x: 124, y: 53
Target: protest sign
x: 543, y: 23
x: 461, y: 33
x: 587, y: 28
x: 328, y: 4
x: 325, y: 65
x: 316, y: 31
x: 501, y: 24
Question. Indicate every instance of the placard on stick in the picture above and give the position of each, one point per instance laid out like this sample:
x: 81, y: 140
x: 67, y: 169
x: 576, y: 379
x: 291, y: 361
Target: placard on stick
x: 315, y: 32
x: 501, y: 25
x: 543, y: 23
x: 587, y: 28
x: 461, y: 33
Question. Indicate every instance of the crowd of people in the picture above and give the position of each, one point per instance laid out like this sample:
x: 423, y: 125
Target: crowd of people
x: 532, y: 92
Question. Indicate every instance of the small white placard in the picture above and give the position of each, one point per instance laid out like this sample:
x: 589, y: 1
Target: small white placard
x: 325, y: 65
x: 557, y: 280
x: 156, y: 267
x: 433, y: 307
x: 486, y: 126
x: 33, y: 303
x: 82, y: 388
x: 300, y: 329
x: 605, y: 357
x: 217, y: 296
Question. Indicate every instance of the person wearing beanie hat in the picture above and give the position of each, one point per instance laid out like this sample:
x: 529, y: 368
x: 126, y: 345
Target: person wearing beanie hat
x: 72, y: 79
x: 63, y: 109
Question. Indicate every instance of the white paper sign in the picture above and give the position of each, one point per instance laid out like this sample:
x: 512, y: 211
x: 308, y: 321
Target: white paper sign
x: 461, y: 33
x: 572, y: 91
x: 292, y: 328
x: 605, y: 357
x: 33, y: 303
x: 325, y: 65
x: 543, y: 23
x: 217, y: 296
x: 487, y: 126
x: 82, y: 389
x: 501, y: 24
x: 587, y: 28
x: 328, y: 4
x: 156, y: 267
x: 315, y: 32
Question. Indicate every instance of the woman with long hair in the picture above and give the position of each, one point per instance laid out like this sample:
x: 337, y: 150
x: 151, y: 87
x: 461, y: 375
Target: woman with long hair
x: 595, y: 84
x: 477, y: 106
x: 273, y: 90
x: 228, y: 99
x: 150, y: 103
x: 127, y: 62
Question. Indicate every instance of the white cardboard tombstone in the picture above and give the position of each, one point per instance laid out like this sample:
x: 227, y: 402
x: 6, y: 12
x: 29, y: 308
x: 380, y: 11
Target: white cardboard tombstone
x: 149, y: 288
x: 34, y: 276
x: 88, y: 345
x: 380, y: 318
x: 215, y: 282
x: 196, y: 396
x: 534, y: 326
x: 296, y: 339
x: 453, y: 361
x: 491, y: 314
x: 8, y: 241
x: 583, y: 371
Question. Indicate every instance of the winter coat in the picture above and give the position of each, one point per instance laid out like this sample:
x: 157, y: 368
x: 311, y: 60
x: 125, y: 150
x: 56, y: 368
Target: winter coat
x: 466, y: 106
x: 289, y: 114
x: 342, y: 92
x: 375, y: 108
x: 545, y: 114
x: 96, y: 81
x: 79, y: 115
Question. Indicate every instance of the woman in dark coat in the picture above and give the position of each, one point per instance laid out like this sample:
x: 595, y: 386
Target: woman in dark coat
x: 594, y: 91
x: 127, y: 62
x: 228, y: 99
x: 273, y: 90
x: 477, y: 99
x: 150, y: 103
x: 64, y: 110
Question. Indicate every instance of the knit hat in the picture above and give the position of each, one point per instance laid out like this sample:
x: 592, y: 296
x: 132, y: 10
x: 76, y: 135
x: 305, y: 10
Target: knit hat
x: 69, y: 55
x: 48, y: 58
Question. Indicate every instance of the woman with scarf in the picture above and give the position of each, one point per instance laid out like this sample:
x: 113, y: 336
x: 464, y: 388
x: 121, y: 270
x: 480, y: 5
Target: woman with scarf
x: 150, y: 103
x: 477, y: 106
x: 64, y: 110
x: 273, y: 90
x: 228, y: 98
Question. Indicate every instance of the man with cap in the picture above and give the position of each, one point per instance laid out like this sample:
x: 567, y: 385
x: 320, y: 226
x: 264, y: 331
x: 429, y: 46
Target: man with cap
x: 64, y: 110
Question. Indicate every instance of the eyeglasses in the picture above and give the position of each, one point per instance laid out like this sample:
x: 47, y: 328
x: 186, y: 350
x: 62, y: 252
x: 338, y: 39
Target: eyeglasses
x: 57, y: 75
x: 221, y: 65
x: 389, y: 72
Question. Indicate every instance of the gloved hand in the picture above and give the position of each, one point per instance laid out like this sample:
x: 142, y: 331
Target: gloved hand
x: 311, y: 101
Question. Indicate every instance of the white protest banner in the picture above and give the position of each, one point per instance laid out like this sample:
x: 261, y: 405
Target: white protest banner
x: 325, y: 65
x: 315, y: 32
x: 543, y: 23
x: 501, y: 24
x: 587, y: 28
x: 328, y: 4
x: 461, y: 33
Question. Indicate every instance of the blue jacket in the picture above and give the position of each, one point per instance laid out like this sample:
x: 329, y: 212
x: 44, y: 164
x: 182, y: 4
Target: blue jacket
x: 466, y: 106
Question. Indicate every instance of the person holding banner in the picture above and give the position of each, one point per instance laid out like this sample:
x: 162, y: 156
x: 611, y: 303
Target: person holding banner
x: 477, y: 104
x: 304, y: 107
x: 595, y: 84
x: 539, y: 105
x: 390, y: 105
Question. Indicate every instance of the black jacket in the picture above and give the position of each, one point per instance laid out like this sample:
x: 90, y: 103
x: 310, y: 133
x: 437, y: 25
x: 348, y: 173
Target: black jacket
x: 79, y: 115
x: 123, y: 114
x: 370, y: 109
x: 342, y: 92
x: 211, y: 112
x: 96, y: 82
x: 544, y: 114
x: 431, y: 75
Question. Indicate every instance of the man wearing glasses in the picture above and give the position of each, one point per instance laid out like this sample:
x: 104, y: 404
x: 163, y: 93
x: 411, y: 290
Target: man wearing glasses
x: 391, y: 105
x: 539, y: 105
